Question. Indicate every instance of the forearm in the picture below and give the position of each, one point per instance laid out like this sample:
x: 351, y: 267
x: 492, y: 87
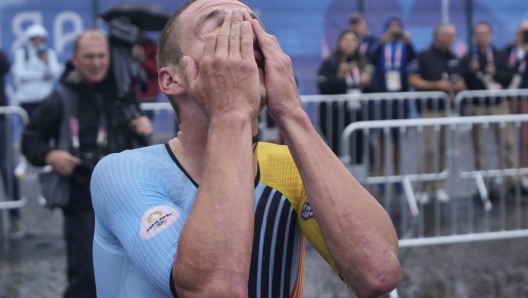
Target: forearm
x: 214, y: 249
x: 35, y: 148
x: 420, y: 84
x: 357, y: 231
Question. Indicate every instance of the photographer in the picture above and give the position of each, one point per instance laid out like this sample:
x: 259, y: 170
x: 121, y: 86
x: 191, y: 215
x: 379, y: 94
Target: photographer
x: 97, y: 126
x: 391, y: 55
x: 36, y: 69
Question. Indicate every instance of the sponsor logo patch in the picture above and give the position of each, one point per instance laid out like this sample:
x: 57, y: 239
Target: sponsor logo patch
x: 156, y: 220
x: 307, y: 212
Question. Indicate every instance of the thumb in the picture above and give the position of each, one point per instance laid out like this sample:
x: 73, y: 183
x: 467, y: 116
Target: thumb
x: 190, y: 69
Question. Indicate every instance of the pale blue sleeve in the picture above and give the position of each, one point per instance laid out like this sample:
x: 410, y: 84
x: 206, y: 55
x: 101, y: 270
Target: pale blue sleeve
x: 131, y: 198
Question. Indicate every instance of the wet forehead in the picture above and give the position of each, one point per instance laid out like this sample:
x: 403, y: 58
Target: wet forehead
x: 196, y: 11
x: 92, y: 44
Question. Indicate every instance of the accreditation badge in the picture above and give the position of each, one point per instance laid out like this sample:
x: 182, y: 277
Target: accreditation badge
x: 393, y: 80
x: 354, y: 104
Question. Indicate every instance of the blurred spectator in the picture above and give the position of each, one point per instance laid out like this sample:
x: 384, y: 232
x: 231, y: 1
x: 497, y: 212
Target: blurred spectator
x: 436, y: 69
x: 145, y: 53
x: 391, y: 55
x: 487, y: 68
x: 16, y: 226
x: 517, y: 57
x: 35, y: 69
x: 518, y: 61
x: 100, y: 129
x: 346, y: 71
x: 358, y: 24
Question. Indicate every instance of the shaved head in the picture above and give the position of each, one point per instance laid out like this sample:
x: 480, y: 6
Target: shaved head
x: 169, y: 49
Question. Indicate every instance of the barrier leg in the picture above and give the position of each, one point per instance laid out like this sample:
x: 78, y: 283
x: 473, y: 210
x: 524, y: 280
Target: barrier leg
x: 394, y: 294
x: 483, y: 191
x: 409, y: 194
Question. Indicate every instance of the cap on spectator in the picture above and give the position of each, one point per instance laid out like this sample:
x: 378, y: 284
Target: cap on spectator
x: 36, y: 30
x: 356, y: 17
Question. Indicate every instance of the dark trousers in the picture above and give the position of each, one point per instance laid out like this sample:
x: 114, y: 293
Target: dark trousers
x: 79, y: 228
x: 30, y: 108
x: 6, y: 169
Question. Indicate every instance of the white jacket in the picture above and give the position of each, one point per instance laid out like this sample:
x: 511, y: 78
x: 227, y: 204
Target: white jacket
x: 35, y: 79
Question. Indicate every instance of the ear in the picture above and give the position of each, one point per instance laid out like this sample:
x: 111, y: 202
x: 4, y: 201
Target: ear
x: 171, y: 81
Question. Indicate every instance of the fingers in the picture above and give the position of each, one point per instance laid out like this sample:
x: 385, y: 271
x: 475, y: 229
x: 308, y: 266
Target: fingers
x: 247, y: 41
x: 72, y: 160
x: 210, y: 44
x: 190, y: 69
x: 234, y: 37
x: 268, y: 43
x: 222, y: 40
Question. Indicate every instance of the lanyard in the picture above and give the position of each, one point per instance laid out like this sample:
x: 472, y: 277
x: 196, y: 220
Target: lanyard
x: 514, y: 56
x: 353, y: 77
x: 363, y: 48
x: 489, y: 55
x: 101, y: 131
x: 389, y: 63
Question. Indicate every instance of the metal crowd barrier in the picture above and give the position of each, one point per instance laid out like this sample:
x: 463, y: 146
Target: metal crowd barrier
x: 349, y: 108
x: 164, y: 121
x: 7, y: 191
x: 466, y: 223
x: 346, y: 108
x: 518, y: 99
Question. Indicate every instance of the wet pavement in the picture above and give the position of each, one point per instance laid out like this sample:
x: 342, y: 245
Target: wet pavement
x: 34, y: 266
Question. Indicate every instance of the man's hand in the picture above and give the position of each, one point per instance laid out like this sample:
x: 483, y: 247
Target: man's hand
x: 444, y: 85
x: 406, y: 37
x: 62, y: 162
x: 386, y: 37
x: 474, y: 65
x: 281, y: 89
x: 142, y: 126
x: 343, y: 68
x: 43, y: 55
x: 139, y: 53
x: 490, y: 69
x: 227, y: 78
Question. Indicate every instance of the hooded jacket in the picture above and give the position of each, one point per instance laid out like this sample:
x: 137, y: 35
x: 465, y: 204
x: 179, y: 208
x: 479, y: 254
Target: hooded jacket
x: 34, y: 78
x: 377, y: 56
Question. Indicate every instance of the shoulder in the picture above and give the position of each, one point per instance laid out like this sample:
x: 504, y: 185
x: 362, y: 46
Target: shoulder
x: 52, y: 103
x: 500, y: 53
x: 119, y: 174
x: 278, y: 170
x: 134, y: 161
x: 330, y: 62
x: 425, y: 53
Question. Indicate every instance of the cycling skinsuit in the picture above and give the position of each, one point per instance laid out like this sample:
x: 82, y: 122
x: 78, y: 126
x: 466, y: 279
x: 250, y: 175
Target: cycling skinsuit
x: 142, y: 198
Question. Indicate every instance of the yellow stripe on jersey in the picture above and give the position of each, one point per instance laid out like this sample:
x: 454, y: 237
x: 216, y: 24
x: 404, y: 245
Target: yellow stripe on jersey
x: 278, y: 170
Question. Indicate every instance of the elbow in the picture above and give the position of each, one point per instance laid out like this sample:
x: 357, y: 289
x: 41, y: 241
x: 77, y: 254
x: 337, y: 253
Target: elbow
x: 379, y: 281
x: 207, y: 282
x: 213, y: 289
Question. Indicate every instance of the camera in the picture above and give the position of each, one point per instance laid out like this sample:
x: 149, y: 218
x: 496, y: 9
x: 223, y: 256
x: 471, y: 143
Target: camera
x: 397, y: 34
x: 122, y: 32
x: 83, y: 172
x: 525, y: 36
